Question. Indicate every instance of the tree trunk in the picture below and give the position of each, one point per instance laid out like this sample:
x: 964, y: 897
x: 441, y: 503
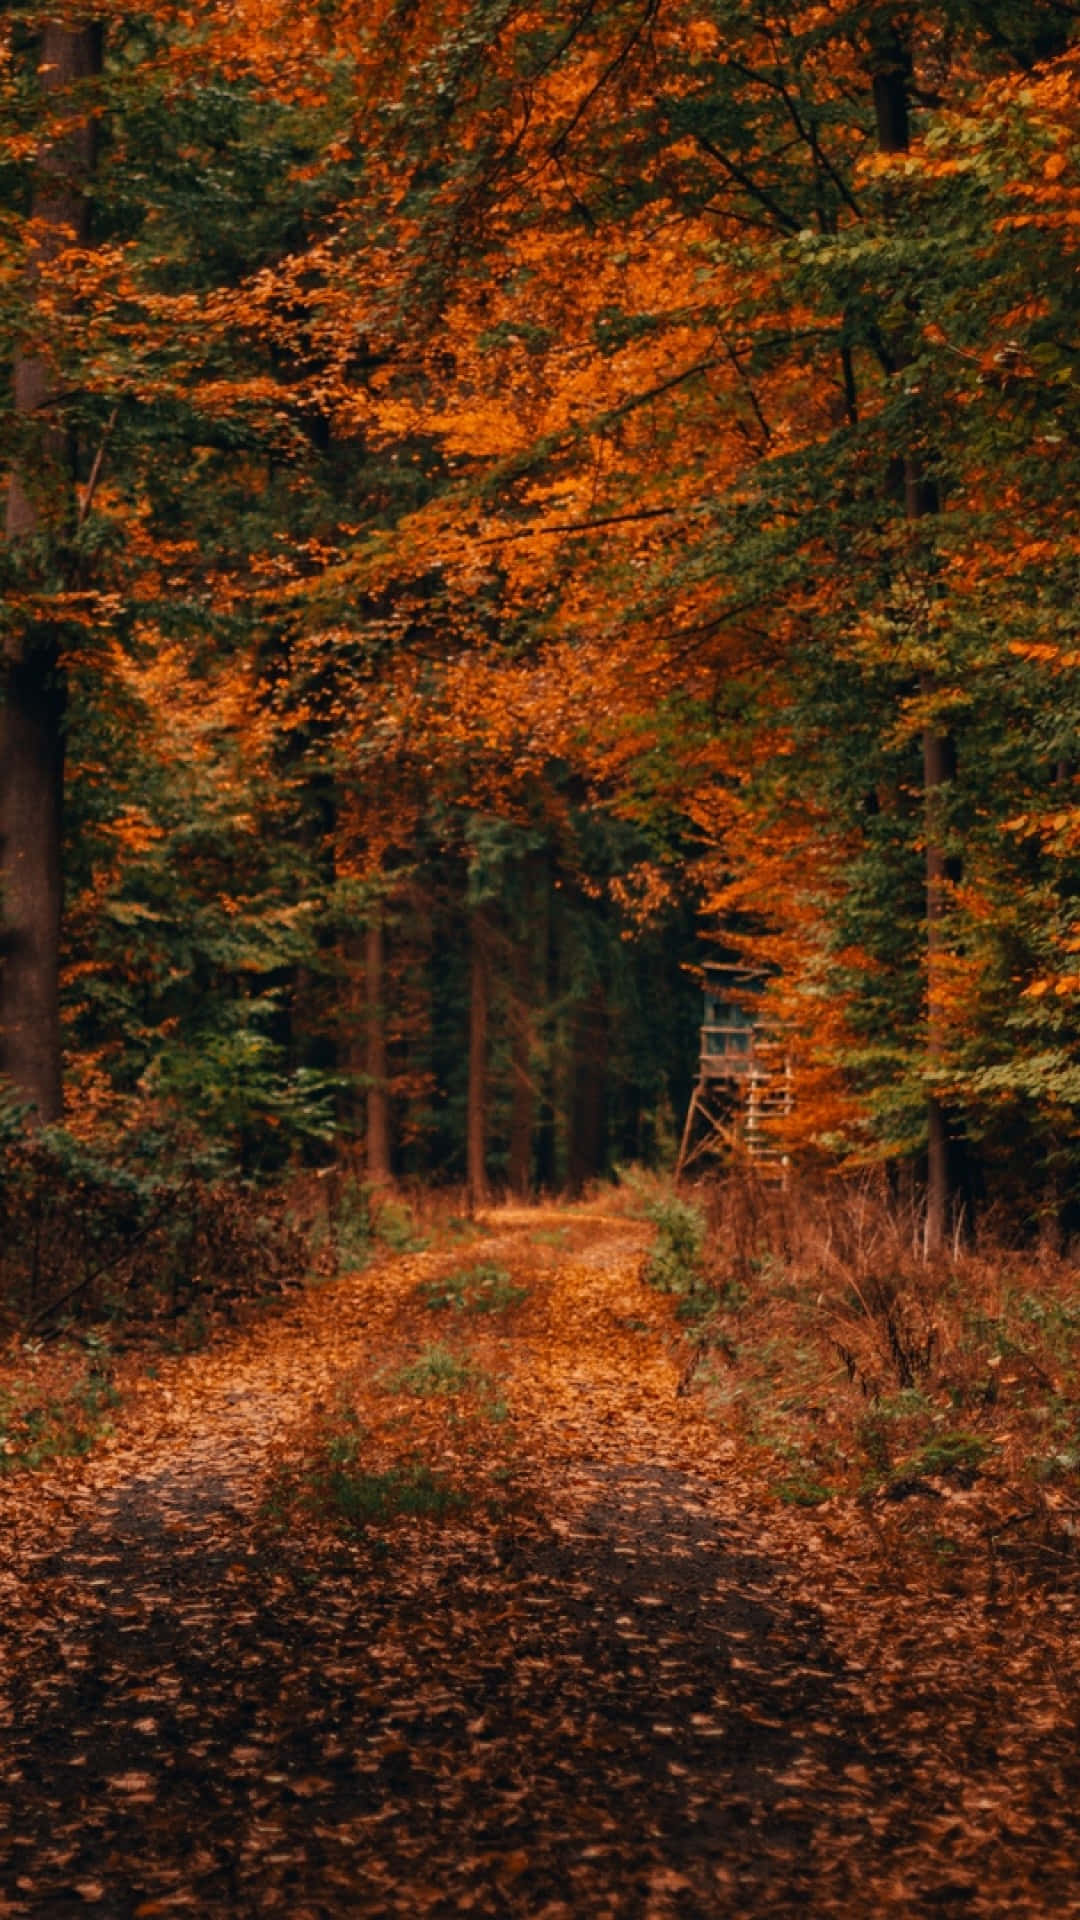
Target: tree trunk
x: 31, y: 784
x: 587, y: 1109
x: 549, y: 948
x: 522, y: 1095
x: 938, y: 765
x: 479, y: 1001
x: 891, y: 81
x: 379, y: 1170
x: 523, y: 1086
x: 40, y: 499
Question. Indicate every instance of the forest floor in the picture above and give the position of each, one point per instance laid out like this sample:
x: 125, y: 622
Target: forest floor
x: 442, y: 1590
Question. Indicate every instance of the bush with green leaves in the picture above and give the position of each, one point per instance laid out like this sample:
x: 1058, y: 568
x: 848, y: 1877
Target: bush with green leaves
x: 394, y: 1223
x: 674, y: 1264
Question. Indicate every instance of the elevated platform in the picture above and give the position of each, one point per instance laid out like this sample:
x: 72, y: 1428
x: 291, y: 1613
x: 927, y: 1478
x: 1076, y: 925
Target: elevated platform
x: 744, y: 1083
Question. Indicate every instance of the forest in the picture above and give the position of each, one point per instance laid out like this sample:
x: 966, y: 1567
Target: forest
x: 531, y: 526
x: 506, y: 502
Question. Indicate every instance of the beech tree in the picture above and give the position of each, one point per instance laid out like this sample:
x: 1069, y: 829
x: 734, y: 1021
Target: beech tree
x: 812, y: 292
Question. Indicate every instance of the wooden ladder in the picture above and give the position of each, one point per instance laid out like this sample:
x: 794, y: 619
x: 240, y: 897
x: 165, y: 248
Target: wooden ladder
x: 733, y: 1111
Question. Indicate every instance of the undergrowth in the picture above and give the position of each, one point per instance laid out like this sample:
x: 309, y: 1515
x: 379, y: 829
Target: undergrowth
x: 346, y: 1221
x: 361, y: 1497
x: 438, y: 1370
x: 852, y: 1367
x: 674, y: 1262
x: 423, y: 1439
x: 341, y: 1478
x: 165, y: 1238
x: 56, y: 1405
x: 481, y: 1289
x: 110, y: 1256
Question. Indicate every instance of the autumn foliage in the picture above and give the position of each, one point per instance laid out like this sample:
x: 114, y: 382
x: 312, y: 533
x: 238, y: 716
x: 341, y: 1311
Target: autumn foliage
x: 531, y: 496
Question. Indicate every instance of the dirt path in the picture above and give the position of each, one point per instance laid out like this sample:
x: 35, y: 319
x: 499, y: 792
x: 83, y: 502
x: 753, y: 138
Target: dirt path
x: 618, y: 1696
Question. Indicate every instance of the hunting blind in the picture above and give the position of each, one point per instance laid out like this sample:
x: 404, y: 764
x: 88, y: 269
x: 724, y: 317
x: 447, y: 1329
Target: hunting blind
x: 743, y: 1081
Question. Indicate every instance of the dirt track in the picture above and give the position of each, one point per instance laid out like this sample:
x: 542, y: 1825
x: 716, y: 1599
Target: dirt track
x: 623, y: 1695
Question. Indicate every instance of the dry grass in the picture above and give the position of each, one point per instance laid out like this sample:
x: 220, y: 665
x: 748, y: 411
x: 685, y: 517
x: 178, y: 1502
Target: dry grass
x: 852, y: 1366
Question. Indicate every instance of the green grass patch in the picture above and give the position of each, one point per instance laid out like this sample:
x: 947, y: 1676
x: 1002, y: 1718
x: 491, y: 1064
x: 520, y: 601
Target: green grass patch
x: 697, y: 1309
x: 801, y: 1488
x: 460, y: 1226
x: 485, y: 1288
x: 952, y: 1455
x: 439, y: 1371
x: 395, y: 1225
x: 360, y: 1498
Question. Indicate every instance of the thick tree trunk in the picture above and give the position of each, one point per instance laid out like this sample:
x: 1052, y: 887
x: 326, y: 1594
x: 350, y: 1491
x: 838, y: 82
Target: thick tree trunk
x: 891, y: 82
x: 416, y: 1125
x: 40, y: 500
x: 31, y: 783
x: 479, y: 1003
x: 379, y: 1170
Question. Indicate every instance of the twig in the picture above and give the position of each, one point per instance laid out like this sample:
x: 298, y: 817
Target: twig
x: 44, y: 1315
x: 579, y: 526
x: 95, y: 471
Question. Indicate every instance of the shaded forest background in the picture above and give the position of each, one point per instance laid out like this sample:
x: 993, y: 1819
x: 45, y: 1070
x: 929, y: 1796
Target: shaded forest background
x: 505, y: 501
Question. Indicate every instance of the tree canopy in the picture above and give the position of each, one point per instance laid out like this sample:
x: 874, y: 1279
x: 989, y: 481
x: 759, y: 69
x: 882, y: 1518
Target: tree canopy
x: 505, y: 501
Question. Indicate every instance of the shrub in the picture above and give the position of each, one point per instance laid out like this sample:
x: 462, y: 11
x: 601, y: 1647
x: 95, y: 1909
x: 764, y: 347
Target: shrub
x: 394, y: 1223
x: 83, y: 1236
x: 674, y: 1263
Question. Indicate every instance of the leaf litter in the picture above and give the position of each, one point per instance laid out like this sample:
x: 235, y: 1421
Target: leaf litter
x: 609, y: 1677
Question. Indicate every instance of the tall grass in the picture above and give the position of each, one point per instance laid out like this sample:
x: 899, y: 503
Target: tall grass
x: 855, y: 1364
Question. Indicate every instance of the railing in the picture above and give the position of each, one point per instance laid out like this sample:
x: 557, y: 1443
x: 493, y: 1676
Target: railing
x: 744, y: 1078
x: 733, y: 1058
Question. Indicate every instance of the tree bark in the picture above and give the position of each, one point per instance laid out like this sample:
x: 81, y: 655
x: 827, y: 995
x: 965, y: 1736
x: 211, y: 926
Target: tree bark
x: 40, y: 500
x: 379, y: 1169
x: 587, y: 1109
x: 522, y: 1093
x: 938, y: 763
x: 479, y: 1003
x: 549, y: 949
x: 891, y: 82
x: 523, y: 1086
x: 31, y: 808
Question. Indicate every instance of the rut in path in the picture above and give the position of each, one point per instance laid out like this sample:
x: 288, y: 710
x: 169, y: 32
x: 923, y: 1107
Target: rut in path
x: 609, y: 1701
